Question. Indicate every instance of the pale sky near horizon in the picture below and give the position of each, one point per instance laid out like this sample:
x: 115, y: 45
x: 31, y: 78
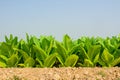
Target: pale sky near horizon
x: 58, y: 17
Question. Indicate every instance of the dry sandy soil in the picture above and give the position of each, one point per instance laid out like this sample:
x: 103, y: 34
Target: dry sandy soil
x: 60, y: 73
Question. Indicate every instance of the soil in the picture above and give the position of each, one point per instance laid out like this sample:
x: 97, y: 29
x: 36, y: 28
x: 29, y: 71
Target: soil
x: 67, y: 73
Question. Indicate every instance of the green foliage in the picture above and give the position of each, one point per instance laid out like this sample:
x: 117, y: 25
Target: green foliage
x: 108, y: 60
x: 12, y: 61
x: 90, y: 56
x: 71, y: 60
x: 45, y: 51
x: 66, y: 52
x: 50, y: 60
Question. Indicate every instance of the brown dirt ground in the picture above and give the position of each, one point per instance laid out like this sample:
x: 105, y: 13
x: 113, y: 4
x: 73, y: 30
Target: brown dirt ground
x: 60, y: 73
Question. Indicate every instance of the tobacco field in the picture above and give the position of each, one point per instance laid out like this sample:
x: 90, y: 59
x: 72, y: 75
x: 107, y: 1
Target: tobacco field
x: 46, y: 51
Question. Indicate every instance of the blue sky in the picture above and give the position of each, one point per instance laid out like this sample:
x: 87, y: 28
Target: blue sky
x: 58, y: 17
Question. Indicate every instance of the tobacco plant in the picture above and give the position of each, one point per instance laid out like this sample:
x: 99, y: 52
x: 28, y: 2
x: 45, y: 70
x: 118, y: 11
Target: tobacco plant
x: 8, y: 56
x: 65, y: 52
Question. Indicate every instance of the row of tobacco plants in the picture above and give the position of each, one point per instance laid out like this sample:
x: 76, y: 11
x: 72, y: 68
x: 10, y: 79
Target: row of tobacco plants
x: 45, y: 51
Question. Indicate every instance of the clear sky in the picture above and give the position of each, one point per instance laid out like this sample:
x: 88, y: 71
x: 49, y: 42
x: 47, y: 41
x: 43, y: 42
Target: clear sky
x: 58, y: 17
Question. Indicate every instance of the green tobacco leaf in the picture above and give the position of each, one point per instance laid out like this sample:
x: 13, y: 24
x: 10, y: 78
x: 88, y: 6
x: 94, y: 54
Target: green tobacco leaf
x: 74, y: 49
x: 103, y: 64
x: 116, y: 54
x: 3, y: 58
x: 50, y: 60
x: 11, y: 37
x: 25, y: 48
x: 62, y: 53
x: 45, y: 43
x: 71, y: 60
x: 88, y: 63
x: 6, y: 39
x: 2, y: 65
x: 60, y: 60
x: 40, y: 62
x: 96, y: 59
x: 67, y: 42
x: 115, y: 62
x: 88, y: 43
x: 108, y: 45
x: 93, y: 53
x: 40, y: 53
x: 50, y: 47
x: 107, y: 57
x: 5, y: 49
x: 11, y: 62
x: 36, y: 41
x: 15, y: 41
x: 23, y: 53
x: 83, y: 53
x: 27, y: 37
x: 29, y: 62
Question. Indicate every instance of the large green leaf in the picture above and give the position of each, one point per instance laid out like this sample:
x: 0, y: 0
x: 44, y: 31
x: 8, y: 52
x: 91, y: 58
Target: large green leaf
x: 116, y: 54
x: 50, y: 60
x: 36, y: 41
x: 108, y: 45
x: 15, y: 41
x: 24, y: 46
x: 83, y: 53
x: 40, y: 53
x: 23, y: 53
x: 50, y: 48
x: 88, y: 63
x: 93, y: 53
x: 62, y: 53
x: 74, y: 50
x: 115, y: 62
x: 96, y: 59
x: 41, y: 64
x: 6, y: 49
x: 67, y: 42
x: 11, y: 62
x: 45, y: 44
x: 6, y: 39
x: 11, y: 37
x: 2, y: 65
x: 3, y: 58
x: 29, y: 62
x: 103, y: 64
x: 107, y: 57
x: 71, y: 60
x: 60, y: 59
